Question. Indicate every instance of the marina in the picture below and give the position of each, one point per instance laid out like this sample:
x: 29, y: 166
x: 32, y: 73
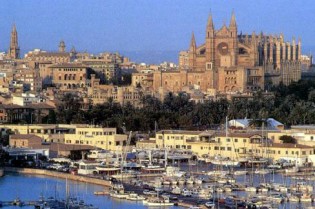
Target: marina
x: 212, y: 184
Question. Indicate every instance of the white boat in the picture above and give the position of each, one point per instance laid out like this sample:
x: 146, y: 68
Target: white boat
x: 174, y: 182
x: 250, y: 189
x: 306, y: 198
x: 156, y: 201
x: 239, y: 173
x: 181, y: 181
x: 186, y: 193
x: 263, y: 190
x: 227, y: 189
x: 294, y: 169
x: 166, y: 182
x: 217, y: 173
x: 135, y: 197
x: 119, y: 195
x: 294, y: 198
x: 275, y: 197
x: 262, y: 171
x: 198, y: 181
x: 210, y: 205
x: 176, y: 190
x: 226, y: 162
x: 190, y: 181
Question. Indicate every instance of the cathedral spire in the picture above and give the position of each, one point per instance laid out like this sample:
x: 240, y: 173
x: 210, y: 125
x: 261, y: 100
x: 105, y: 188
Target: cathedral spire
x: 210, y: 22
x: 193, y: 42
x: 14, y: 50
x: 233, y: 21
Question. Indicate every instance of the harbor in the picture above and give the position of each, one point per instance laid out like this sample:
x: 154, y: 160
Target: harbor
x: 199, y: 184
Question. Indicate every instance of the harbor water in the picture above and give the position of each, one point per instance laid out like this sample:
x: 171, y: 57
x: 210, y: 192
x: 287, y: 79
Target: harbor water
x: 29, y: 187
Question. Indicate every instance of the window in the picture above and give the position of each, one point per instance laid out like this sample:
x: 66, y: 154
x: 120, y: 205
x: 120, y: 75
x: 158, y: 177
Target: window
x: 222, y: 148
x: 216, y: 148
x: 244, y: 140
x: 235, y: 140
x: 229, y: 148
x: 304, y: 152
x: 312, y: 138
x: 279, y: 152
x: 188, y: 146
x: 177, y: 146
x: 228, y: 140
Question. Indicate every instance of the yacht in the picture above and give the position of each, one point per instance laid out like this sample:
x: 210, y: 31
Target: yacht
x: 157, y: 201
x: 135, y: 197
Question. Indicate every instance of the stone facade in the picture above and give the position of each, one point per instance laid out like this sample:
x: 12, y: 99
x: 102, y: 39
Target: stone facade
x: 229, y: 62
x: 70, y: 75
x: 14, y: 50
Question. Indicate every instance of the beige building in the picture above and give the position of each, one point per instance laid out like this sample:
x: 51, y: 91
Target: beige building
x: 70, y: 75
x: 24, y: 140
x: 232, y: 145
x: 105, y: 138
x: 99, y: 94
x: 38, y: 55
x: 143, y: 80
x: 231, y: 63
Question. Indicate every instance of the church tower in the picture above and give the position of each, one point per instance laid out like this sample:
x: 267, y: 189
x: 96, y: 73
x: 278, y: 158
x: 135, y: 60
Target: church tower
x: 192, y: 52
x: 210, y: 42
x: 62, y: 46
x: 233, y: 30
x: 14, y: 50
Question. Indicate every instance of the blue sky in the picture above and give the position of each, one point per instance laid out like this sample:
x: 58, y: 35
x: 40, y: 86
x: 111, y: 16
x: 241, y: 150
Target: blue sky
x: 147, y: 25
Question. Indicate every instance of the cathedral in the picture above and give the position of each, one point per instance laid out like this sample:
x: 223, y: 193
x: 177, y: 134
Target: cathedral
x: 229, y: 62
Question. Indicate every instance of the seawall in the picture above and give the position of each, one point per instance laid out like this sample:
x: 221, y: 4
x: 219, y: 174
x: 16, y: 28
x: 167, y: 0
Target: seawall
x: 55, y: 174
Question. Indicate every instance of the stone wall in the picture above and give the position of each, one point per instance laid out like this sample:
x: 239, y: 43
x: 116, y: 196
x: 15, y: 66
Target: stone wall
x: 58, y: 175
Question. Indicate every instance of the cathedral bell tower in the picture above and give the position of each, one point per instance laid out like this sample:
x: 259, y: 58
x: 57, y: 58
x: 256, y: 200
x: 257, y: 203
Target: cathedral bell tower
x: 14, y: 50
x: 62, y: 46
x: 192, y: 53
x: 233, y: 30
x: 210, y: 58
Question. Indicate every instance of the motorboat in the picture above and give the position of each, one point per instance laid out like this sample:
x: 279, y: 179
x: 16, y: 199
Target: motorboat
x: 135, y: 197
x: 157, y: 201
x: 210, y: 205
x: 240, y: 172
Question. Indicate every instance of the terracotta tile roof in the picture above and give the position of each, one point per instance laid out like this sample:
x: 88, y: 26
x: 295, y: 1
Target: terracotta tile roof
x: 148, y: 141
x: 288, y: 145
x: 180, y: 132
x: 63, y: 147
x: 70, y: 65
x: 25, y: 136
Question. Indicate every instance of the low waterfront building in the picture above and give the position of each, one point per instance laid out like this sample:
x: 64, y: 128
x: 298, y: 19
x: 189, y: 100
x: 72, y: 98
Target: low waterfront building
x: 24, y: 140
x: 291, y: 152
x: 104, y: 138
x: 146, y: 144
x: 47, y: 132
x: 233, y: 145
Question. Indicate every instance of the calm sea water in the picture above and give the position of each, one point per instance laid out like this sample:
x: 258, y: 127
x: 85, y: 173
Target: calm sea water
x: 29, y: 187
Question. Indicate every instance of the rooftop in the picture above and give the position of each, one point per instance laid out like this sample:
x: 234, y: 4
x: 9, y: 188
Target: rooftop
x: 68, y: 65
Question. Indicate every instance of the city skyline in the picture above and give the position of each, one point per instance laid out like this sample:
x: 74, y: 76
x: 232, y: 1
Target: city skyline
x: 163, y: 29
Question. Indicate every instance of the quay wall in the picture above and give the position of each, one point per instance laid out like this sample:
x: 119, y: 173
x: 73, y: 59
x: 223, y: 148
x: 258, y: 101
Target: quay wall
x: 55, y: 174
